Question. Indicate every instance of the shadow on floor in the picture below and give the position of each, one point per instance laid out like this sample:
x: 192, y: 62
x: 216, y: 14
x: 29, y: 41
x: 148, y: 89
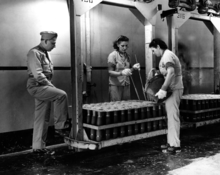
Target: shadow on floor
x: 137, y: 158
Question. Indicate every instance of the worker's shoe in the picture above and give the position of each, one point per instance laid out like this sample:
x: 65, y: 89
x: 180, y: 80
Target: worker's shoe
x: 165, y: 147
x: 174, y: 149
x: 62, y: 132
x: 66, y: 130
x: 43, y: 151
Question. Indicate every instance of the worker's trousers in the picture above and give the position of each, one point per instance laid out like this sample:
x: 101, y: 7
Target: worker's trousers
x: 173, y: 115
x: 118, y: 93
x: 44, y: 95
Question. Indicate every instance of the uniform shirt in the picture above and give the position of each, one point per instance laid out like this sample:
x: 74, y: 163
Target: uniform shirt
x: 40, y: 66
x: 169, y: 59
x: 116, y: 60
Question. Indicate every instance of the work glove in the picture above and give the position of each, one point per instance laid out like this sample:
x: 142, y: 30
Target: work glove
x: 126, y: 72
x: 137, y: 66
x: 161, y: 94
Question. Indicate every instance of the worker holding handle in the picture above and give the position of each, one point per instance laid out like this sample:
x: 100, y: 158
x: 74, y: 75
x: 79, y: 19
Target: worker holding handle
x: 119, y: 69
x: 170, y: 67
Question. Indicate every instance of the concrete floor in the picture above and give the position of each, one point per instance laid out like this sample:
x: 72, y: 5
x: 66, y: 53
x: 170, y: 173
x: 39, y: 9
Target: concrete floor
x: 137, y: 158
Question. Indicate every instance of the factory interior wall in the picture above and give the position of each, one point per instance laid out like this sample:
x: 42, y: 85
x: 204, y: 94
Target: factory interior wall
x: 195, y: 51
x: 106, y: 27
x: 23, y: 20
x: 21, y: 23
x: 196, y: 56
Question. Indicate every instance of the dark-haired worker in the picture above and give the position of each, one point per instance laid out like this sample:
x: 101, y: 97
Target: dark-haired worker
x: 119, y: 69
x: 170, y: 67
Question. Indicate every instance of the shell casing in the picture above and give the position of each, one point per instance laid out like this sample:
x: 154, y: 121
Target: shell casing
x: 122, y: 128
x: 111, y: 120
x: 149, y: 126
x: 107, y: 131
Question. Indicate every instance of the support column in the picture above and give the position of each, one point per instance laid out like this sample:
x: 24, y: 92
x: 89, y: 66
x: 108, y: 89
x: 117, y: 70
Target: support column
x: 172, y: 36
x: 148, y: 18
x: 149, y: 35
x: 216, y: 59
x: 174, y: 22
x: 76, y: 72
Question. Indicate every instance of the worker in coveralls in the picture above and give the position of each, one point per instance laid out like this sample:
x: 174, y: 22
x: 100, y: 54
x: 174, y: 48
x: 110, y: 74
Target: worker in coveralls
x: 170, y: 67
x: 119, y: 69
x: 39, y: 85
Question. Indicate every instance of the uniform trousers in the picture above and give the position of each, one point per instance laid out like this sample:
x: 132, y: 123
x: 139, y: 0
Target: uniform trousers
x: 118, y: 93
x: 44, y: 95
x: 173, y: 115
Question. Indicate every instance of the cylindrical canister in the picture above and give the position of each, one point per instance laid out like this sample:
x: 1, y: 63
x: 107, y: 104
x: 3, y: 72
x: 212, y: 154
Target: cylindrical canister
x: 135, y: 114
x: 203, y: 104
x: 159, y: 111
x: 107, y: 131
x: 129, y: 127
x: 98, y: 135
x: 155, y: 125
x: 136, y: 118
x: 122, y: 128
x: 160, y: 125
x: 142, y: 127
x: 115, y: 120
x: 92, y: 134
x: 149, y: 112
x: 199, y: 105
x: 187, y: 105
x: 149, y: 126
x: 154, y: 111
x: 93, y: 122
x: 143, y: 111
x: 99, y: 119
x: 194, y: 106
x: 89, y: 117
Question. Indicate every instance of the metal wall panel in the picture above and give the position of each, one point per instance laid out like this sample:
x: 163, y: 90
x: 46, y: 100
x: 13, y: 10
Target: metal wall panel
x: 202, y: 81
x: 100, y: 92
x: 17, y: 106
x: 195, y: 50
x: 196, y: 47
x: 21, y: 23
x: 106, y: 26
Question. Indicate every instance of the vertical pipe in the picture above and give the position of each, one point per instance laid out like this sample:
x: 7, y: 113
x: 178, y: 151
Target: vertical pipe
x: 172, y: 35
x: 72, y: 56
x: 216, y: 59
x: 76, y: 72
x: 149, y: 35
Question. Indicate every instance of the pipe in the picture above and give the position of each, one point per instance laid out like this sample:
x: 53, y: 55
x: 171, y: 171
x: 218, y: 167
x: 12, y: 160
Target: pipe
x: 135, y: 87
x: 141, y: 79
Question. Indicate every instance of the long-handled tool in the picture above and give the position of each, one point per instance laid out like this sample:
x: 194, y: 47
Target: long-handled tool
x: 141, y: 80
x: 134, y: 87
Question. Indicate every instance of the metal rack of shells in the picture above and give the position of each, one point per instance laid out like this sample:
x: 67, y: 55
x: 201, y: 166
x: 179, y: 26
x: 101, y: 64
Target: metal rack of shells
x: 118, y: 122
x: 200, y: 109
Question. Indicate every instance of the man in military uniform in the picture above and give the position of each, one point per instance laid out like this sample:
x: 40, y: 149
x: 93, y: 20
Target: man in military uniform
x: 39, y: 85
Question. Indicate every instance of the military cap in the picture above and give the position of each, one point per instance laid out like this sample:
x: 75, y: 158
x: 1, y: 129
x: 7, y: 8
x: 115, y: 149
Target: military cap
x: 48, y: 35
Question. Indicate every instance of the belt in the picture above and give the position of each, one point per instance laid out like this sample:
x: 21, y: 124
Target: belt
x: 48, y: 77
